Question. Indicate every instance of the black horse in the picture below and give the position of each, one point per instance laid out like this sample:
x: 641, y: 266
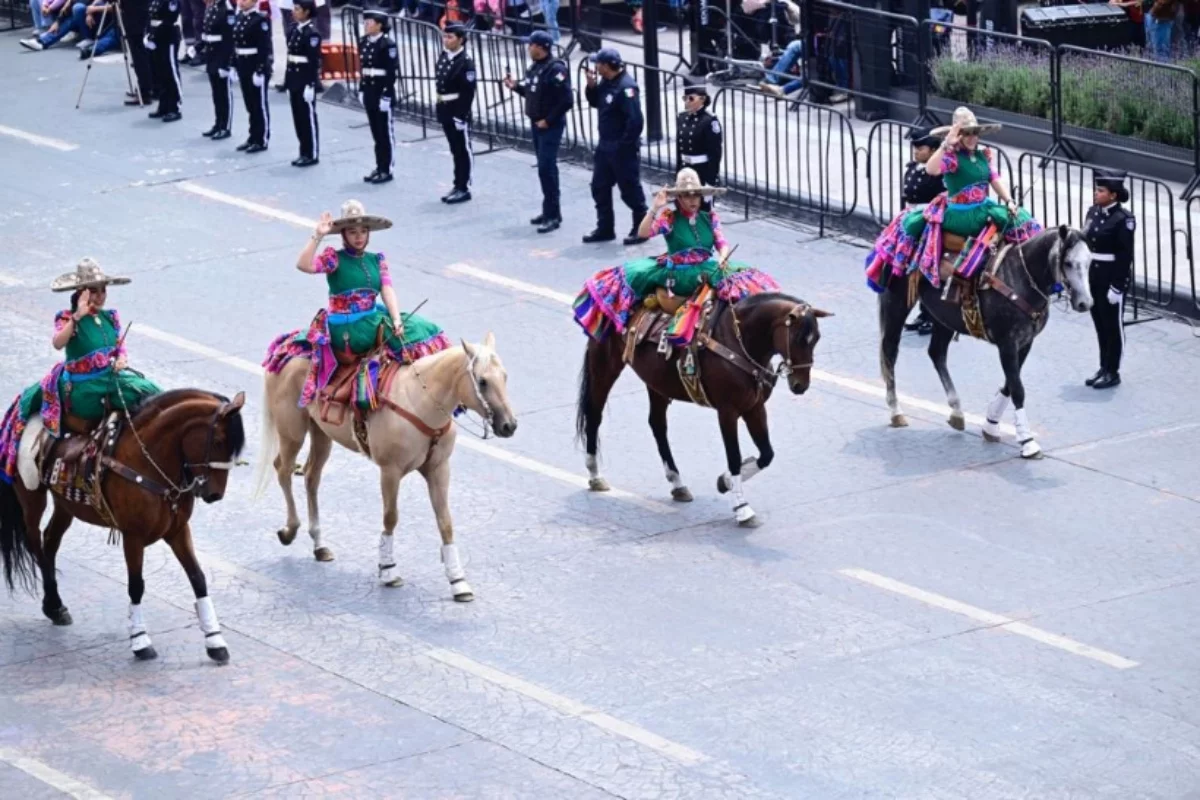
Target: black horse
x: 1010, y: 321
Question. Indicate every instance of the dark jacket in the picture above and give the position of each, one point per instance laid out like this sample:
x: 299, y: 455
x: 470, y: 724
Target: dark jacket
x: 303, y: 56
x: 546, y: 88
x: 217, y: 36
x: 252, y: 44
x: 380, y: 64
x: 1109, y: 232
x: 699, y: 144
x: 919, y: 186
x: 619, y: 113
x: 455, y: 79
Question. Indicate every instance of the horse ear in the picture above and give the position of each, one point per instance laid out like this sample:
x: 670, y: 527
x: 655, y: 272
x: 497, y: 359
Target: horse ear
x: 1063, y: 231
x: 466, y: 346
x: 489, y: 341
x: 819, y: 313
x: 233, y: 405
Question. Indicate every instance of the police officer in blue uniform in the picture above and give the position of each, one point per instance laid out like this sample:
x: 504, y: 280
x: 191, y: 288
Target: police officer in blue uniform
x: 217, y: 37
x: 162, y: 40
x: 300, y: 78
x: 455, y: 79
x: 380, y: 67
x: 700, y: 138
x: 252, y: 57
x: 546, y: 88
x: 920, y: 188
x: 1109, y: 229
x: 615, y: 162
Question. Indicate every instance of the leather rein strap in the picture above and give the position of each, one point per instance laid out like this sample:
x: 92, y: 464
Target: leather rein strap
x: 435, y: 434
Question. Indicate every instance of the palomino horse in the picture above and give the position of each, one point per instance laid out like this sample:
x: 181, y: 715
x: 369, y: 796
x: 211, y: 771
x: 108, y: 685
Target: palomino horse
x: 1011, y: 321
x: 412, y: 430
x: 151, y: 465
x: 735, y: 379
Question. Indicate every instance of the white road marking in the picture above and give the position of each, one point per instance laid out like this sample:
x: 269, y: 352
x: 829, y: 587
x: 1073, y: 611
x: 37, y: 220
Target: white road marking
x: 568, y: 707
x: 40, y: 141
x: 852, y: 384
x: 496, y: 453
x: 6, y: 280
x: 510, y: 283
x: 50, y: 776
x: 999, y: 621
x: 556, y: 702
x: 248, y: 205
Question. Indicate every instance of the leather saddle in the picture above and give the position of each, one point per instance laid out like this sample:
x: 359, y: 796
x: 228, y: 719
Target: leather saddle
x: 338, y: 395
x: 71, y: 465
x: 952, y: 247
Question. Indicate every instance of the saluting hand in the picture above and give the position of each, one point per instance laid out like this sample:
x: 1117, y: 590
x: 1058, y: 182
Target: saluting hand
x: 325, y: 224
x: 85, y: 304
x: 952, y: 137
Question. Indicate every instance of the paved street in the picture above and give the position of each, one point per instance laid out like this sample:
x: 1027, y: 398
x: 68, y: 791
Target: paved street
x: 921, y: 614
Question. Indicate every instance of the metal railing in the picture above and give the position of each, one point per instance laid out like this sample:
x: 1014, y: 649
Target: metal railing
x: 14, y: 15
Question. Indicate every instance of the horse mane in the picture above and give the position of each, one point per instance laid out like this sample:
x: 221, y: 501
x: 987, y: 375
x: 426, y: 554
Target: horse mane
x: 755, y: 300
x: 155, y: 404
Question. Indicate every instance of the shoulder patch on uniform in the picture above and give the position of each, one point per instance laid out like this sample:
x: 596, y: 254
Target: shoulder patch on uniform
x: 560, y: 76
x: 471, y: 75
x: 173, y: 5
x: 608, y: 98
x: 230, y: 19
x: 392, y: 52
x: 266, y: 26
x: 716, y: 126
x: 314, y: 40
x: 631, y: 91
x: 1130, y: 223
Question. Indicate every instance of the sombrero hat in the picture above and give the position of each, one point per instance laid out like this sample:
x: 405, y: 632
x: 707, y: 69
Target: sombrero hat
x: 354, y: 215
x: 87, y: 275
x: 688, y: 182
x: 968, y: 124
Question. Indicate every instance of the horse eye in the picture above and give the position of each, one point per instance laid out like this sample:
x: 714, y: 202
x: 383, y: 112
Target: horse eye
x: 483, y: 384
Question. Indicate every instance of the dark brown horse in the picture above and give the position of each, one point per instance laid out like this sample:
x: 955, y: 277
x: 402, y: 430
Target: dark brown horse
x: 154, y: 461
x: 735, y: 377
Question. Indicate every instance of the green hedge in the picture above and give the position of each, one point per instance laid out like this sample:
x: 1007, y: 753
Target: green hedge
x: 1098, y: 93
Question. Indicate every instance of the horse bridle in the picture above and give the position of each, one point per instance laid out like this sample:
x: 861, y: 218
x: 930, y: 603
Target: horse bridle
x: 763, y: 375
x: 488, y: 413
x: 194, y: 482
x: 786, y: 366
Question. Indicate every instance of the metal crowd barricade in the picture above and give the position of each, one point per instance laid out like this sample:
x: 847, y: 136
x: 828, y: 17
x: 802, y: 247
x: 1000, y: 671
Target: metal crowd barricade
x: 888, y: 154
x: 1058, y: 191
x: 14, y: 15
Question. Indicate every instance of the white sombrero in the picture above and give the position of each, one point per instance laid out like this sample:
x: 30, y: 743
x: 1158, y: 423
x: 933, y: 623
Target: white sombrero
x: 688, y: 182
x: 354, y: 215
x: 87, y: 275
x: 968, y: 124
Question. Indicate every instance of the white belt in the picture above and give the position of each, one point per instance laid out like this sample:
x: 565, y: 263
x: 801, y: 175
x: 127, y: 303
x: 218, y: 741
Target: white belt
x: 212, y: 37
x: 695, y: 159
x: 297, y: 59
x: 371, y: 72
x: 246, y: 51
x: 446, y: 98
x: 154, y: 23
x: 1103, y: 257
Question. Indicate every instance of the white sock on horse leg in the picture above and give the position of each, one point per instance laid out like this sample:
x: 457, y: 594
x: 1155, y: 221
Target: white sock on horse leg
x: 138, y: 639
x: 736, y: 496
x: 315, y: 533
x: 997, y: 407
x: 593, y: 467
x: 750, y: 468
x: 386, y: 559
x: 452, y: 562
x: 209, y: 624
x: 673, y: 477
x: 1024, y: 432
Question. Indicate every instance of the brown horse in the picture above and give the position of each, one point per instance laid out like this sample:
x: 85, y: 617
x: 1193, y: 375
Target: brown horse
x: 153, y: 461
x: 735, y: 379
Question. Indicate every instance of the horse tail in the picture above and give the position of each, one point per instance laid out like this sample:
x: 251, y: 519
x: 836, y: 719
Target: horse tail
x: 14, y: 549
x: 584, y: 403
x: 268, y: 448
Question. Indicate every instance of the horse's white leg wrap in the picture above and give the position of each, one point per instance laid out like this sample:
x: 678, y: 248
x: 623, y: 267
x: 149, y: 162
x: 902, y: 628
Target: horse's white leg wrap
x: 673, y: 478
x: 455, y: 573
x: 315, y: 532
x: 593, y: 467
x: 387, y: 561
x: 596, y: 482
x: 1029, y: 445
x: 995, y: 412
x: 209, y: 624
x: 138, y: 639
x: 742, y: 511
x: 750, y: 468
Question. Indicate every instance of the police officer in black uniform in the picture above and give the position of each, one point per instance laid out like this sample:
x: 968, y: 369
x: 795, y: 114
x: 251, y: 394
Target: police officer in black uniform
x: 162, y: 40
x: 135, y: 16
x: 455, y: 94
x: 615, y: 162
x: 1109, y: 230
x: 546, y: 88
x: 700, y: 138
x: 217, y: 36
x: 921, y: 188
x: 380, y: 64
x: 303, y: 69
x: 252, y: 57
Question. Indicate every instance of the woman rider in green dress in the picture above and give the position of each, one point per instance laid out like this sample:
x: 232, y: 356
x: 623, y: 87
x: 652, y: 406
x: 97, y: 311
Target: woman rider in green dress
x: 94, y: 377
x: 362, y: 312
x: 914, y: 238
x: 696, y: 254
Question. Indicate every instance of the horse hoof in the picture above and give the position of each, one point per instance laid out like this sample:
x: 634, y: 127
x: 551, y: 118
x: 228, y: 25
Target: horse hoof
x: 218, y: 654
x: 146, y: 654
x: 958, y: 422
x: 393, y: 583
x: 1031, y: 450
x: 323, y: 554
x: 750, y: 522
x: 286, y: 536
x: 990, y: 437
x: 899, y: 421
x: 464, y: 595
x: 722, y: 485
x: 598, y: 485
x: 60, y: 617
x: 681, y: 494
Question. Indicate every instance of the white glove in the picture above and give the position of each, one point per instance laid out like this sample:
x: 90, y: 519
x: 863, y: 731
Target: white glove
x: 224, y: 73
x: 362, y: 99
x: 1114, y: 296
x: 259, y: 80
x: 385, y: 104
x: 148, y: 43
x: 309, y: 93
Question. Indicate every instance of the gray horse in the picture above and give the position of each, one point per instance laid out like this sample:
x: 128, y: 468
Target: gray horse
x: 1032, y: 270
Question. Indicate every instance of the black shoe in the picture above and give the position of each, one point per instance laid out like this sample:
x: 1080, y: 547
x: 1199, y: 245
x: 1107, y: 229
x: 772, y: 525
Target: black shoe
x: 540, y: 219
x: 157, y: 113
x: 371, y: 178
x: 85, y: 53
x: 211, y: 132
x: 599, y: 236
x: 549, y: 225
x: 219, y: 135
x: 458, y: 196
x: 245, y: 145
x: 1107, y: 381
x: 305, y: 161
x: 174, y: 116
x: 924, y: 328
x: 633, y: 238
x: 256, y: 148
x: 382, y: 177
x: 1092, y: 380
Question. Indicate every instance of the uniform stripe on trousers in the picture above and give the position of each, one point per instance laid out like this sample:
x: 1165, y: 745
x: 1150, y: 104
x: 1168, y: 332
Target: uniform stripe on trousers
x: 391, y: 140
x: 465, y: 130
x: 229, y: 91
x: 173, y: 59
x: 312, y: 124
x: 266, y: 109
